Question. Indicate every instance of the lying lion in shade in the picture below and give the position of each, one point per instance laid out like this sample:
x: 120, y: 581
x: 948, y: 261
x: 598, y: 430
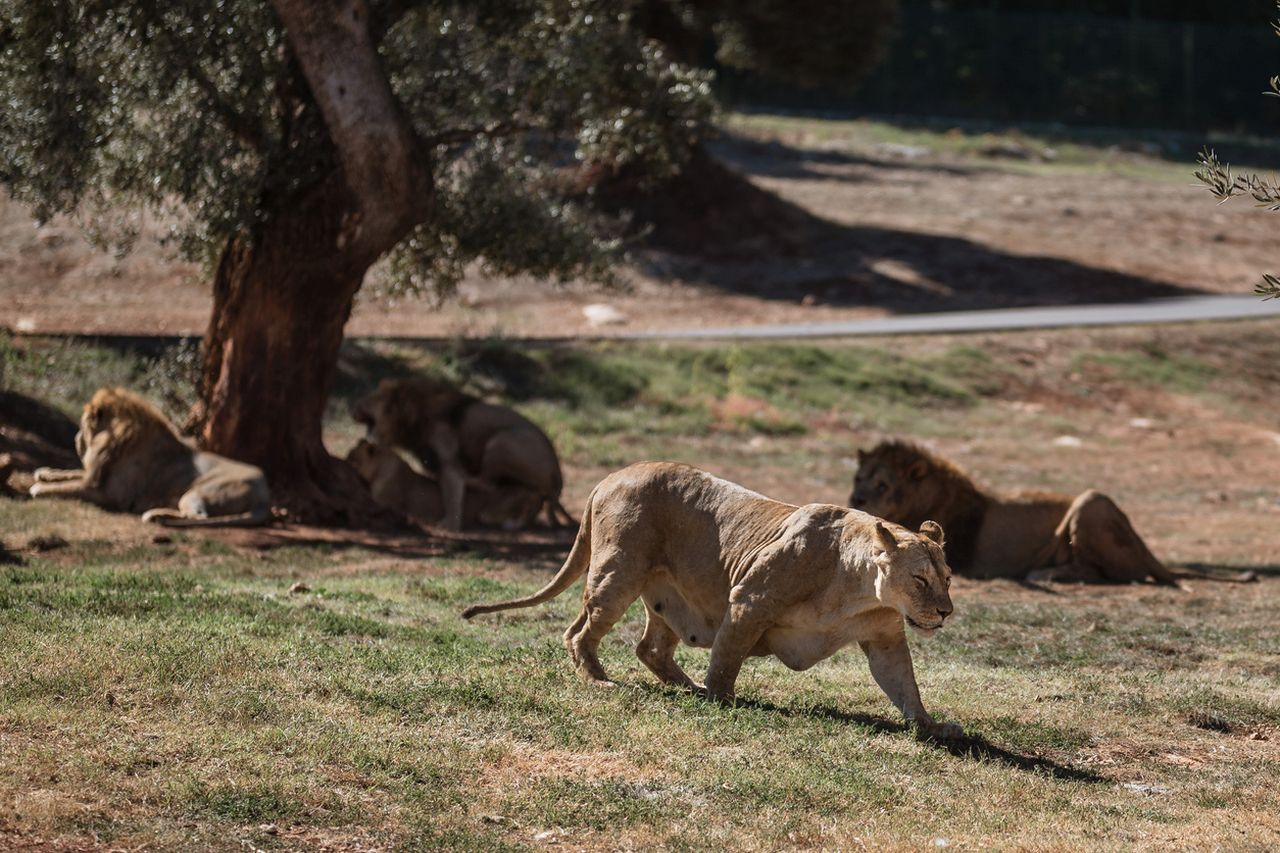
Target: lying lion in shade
x: 394, y: 484
x: 1026, y: 535
x: 463, y: 440
x: 133, y: 460
x: 724, y: 568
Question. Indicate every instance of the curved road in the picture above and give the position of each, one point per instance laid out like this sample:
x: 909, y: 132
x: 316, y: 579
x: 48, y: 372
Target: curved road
x: 1180, y: 309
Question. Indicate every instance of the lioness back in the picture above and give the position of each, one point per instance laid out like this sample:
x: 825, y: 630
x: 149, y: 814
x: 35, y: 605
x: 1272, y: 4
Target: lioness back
x: 672, y: 504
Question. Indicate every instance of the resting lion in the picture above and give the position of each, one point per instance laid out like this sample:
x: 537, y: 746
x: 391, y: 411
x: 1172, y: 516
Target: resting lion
x: 1028, y: 535
x: 724, y: 568
x: 393, y: 483
x: 134, y: 460
x: 462, y: 439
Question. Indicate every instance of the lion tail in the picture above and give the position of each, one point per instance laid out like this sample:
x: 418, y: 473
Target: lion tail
x: 166, y: 517
x: 1221, y: 577
x: 575, y: 566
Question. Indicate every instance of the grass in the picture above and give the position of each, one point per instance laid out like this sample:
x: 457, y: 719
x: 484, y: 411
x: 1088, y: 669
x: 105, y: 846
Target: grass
x: 177, y: 695
x: 182, y: 699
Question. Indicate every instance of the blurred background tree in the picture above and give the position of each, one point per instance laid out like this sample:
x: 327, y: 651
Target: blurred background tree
x: 293, y: 144
x: 706, y: 207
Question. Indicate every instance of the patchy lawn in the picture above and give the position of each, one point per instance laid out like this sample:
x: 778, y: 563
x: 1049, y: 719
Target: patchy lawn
x: 186, y: 692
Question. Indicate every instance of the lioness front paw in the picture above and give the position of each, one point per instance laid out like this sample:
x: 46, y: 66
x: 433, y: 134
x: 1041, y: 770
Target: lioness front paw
x: 42, y: 475
x: 37, y: 489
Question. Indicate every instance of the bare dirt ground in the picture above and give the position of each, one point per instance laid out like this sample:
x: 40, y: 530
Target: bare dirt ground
x: 915, y: 227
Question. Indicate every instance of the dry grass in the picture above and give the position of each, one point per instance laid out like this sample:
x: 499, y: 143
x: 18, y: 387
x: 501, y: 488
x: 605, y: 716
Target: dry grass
x: 176, y: 695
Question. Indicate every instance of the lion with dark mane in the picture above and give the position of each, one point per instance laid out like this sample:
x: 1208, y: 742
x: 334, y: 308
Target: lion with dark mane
x: 133, y: 460
x: 1026, y: 535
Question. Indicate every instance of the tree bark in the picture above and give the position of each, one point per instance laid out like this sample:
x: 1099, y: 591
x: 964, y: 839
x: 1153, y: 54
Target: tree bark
x: 283, y: 291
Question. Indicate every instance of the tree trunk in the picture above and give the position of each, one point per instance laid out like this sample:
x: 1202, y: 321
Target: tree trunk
x: 281, y: 298
x: 283, y: 292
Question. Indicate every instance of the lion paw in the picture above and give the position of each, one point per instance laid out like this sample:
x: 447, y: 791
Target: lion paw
x: 937, y: 731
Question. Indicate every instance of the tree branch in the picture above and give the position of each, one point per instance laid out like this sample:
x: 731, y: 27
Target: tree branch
x: 466, y: 134
x: 384, y: 165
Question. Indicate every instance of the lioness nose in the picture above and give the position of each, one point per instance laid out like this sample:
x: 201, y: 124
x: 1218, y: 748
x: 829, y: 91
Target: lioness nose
x: 944, y: 612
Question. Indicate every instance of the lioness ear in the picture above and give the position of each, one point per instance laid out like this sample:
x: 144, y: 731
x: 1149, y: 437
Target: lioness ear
x: 886, y: 538
x: 862, y: 455
x: 918, y: 470
x: 932, y: 530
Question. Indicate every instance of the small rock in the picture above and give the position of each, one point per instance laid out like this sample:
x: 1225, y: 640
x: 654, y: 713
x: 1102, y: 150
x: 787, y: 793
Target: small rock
x: 269, y: 829
x: 299, y: 587
x: 900, y: 151
x: 941, y: 842
x: 48, y: 542
x: 1144, y: 788
x: 1067, y: 441
x: 25, y: 325
x: 809, y: 300
x: 1141, y: 423
x: 600, y: 314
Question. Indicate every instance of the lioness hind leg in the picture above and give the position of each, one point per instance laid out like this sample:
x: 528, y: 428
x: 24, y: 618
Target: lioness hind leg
x: 657, y: 650
x: 1102, y: 538
x: 610, y: 589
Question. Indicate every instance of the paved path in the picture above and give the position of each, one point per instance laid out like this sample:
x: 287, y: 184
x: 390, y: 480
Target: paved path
x: 1176, y: 310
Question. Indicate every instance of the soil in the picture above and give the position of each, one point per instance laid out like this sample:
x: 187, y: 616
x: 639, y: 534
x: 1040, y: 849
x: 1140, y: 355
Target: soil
x: 938, y: 230
x: 934, y: 231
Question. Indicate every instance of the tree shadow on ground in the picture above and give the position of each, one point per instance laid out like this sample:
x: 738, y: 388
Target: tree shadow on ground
x: 970, y: 746
x: 791, y: 254
x: 536, y: 549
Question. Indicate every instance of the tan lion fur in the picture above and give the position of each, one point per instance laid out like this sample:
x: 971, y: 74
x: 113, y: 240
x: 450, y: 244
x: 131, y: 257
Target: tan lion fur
x: 464, y: 440
x: 394, y: 484
x: 133, y: 460
x: 1029, y: 535
x: 724, y: 568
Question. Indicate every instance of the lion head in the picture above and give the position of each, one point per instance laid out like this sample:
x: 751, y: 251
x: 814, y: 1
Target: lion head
x: 400, y: 408
x: 907, y: 484
x: 128, y: 419
x: 914, y: 576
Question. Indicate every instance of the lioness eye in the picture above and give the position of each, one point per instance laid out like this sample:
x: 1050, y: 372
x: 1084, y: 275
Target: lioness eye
x: 922, y: 581
x: 882, y: 488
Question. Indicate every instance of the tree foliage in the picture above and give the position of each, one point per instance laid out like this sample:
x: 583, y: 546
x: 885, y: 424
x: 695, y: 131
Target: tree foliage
x: 112, y: 106
x: 1225, y: 184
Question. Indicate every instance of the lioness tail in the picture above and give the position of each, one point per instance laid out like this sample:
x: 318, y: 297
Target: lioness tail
x: 575, y: 565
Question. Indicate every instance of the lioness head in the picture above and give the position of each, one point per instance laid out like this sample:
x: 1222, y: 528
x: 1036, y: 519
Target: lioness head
x: 364, y: 458
x: 901, y: 482
x: 914, y: 576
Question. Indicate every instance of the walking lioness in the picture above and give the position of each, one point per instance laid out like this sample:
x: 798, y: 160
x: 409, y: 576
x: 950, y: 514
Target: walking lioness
x: 724, y: 568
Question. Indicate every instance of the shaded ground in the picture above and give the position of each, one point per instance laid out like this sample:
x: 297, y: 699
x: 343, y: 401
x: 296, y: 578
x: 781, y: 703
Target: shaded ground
x: 910, y: 221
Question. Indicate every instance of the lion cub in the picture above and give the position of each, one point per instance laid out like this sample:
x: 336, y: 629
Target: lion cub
x: 724, y: 568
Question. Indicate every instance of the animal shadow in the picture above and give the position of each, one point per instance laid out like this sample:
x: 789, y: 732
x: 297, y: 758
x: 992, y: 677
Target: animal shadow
x: 971, y: 746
